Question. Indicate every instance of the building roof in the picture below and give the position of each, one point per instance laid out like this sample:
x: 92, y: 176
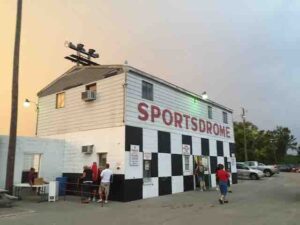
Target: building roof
x: 81, y: 75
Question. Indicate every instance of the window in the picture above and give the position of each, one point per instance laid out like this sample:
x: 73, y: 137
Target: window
x: 60, y: 100
x: 225, y: 117
x: 91, y: 87
x: 32, y: 161
x: 147, y: 171
x: 147, y: 167
x: 186, y: 162
x: 209, y: 111
x: 147, y: 90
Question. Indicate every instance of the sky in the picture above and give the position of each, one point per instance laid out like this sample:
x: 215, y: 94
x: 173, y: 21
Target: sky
x: 242, y: 53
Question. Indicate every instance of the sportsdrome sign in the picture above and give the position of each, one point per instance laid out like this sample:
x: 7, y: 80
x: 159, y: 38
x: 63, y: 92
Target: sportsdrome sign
x: 180, y: 120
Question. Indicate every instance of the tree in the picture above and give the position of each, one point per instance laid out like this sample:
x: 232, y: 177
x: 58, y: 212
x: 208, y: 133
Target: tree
x: 14, y: 103
x: 268, y: 146
x: 251, y: 136
x: 283, y: 140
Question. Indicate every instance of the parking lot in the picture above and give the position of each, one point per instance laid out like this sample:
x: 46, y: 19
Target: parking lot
x: 274, y: 200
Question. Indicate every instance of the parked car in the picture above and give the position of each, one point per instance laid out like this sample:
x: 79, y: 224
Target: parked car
x: 244, y: 171
x: 285, y: 168
x: 295, y: 168
x: 268, y: 170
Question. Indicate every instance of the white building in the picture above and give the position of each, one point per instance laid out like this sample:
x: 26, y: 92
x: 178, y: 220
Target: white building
x: 149, y: 130
x: 43, y: 154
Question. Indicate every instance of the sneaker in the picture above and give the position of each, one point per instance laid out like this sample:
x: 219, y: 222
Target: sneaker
x: 100, y: 200
x: 94, y: 199
x: 226, y: 201
x: 106, y: 201
x: 221, y: 201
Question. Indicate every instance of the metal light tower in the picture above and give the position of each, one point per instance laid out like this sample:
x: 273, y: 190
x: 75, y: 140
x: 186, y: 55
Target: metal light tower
x: 82, y: 56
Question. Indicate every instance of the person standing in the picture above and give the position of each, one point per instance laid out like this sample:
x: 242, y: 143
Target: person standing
x: 87, y: 181
x: 223, y: 177
x: 217, y: 179
x: 96, y: 180
x: 106, y: 178
x: 200, y: 172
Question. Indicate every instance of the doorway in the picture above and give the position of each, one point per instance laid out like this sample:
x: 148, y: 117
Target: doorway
x: 102, y: 157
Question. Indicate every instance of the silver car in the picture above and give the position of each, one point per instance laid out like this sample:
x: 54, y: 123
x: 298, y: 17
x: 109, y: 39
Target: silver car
x: 245, y: 172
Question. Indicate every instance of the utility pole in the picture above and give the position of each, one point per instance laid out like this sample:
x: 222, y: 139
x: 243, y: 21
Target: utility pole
x: 245, y: 140
x: 14, y: 104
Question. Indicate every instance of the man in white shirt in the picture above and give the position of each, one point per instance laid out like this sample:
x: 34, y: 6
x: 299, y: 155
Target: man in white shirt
x: 106, y: 176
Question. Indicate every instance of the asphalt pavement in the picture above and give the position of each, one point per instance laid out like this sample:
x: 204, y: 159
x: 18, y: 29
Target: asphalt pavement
x: 270, y: 201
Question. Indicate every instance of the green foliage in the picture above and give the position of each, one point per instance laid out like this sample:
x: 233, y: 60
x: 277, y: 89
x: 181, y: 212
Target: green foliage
x: 265, y: 146
x: 291, y: 159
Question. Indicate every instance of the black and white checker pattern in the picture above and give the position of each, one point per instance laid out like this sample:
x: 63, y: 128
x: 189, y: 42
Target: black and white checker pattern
x: 167, y: 165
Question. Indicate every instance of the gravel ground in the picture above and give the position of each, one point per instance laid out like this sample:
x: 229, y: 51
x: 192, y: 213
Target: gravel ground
x: 269, y: 201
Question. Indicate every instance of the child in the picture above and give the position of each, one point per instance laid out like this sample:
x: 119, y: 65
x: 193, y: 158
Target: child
x: 223, y: 177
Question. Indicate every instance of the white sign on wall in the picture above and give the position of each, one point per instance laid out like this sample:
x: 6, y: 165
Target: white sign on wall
x: 233, y: 161
x: 147, y: 156
x: 134, y: 155
x: 186, y: 149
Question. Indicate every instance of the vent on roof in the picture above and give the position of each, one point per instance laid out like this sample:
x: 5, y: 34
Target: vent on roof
x: 111, y: 73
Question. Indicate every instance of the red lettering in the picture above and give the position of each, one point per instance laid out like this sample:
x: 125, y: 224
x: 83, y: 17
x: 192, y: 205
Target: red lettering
x: 186, y: 121
x: 164, y: 117
x: 209, y: 126
x: 222, y: 131
x: 178, y: 119
x: 216, y: 129
x: 143, y: 112
x: 194, y: 124
x: 202, y: 126
x: 155, y: 112
x: 228, y: 132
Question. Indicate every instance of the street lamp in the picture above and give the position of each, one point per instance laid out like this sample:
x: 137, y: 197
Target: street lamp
x: 204, y: 95
x: 27, y: 104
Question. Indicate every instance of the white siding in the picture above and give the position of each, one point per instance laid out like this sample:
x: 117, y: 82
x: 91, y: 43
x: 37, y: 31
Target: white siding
x: 212, y: 147
x: 176, y: 143
x: 78, y: 115
x: 133, y: 172
x: 151, y: 190
x: 150, y: 141
x: 51, y: 151
x: 196, y: 145
x: 107, y: 140
x: 168, y: 98
x: 177, y: 184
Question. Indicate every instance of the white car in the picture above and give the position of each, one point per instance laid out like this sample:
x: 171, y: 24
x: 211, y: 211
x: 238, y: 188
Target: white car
x: 246, y: 172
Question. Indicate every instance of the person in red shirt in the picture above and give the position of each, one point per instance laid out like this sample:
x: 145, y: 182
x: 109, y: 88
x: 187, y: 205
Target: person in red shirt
x: 223, y: 177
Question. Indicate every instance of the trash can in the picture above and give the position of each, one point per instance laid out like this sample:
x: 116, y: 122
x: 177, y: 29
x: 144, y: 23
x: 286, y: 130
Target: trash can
x: 62, y: 185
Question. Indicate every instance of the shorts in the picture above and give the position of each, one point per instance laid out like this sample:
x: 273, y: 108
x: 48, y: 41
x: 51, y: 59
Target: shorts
x: 95, y: 185
x: 223, y: 187
x: 201, y: 178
